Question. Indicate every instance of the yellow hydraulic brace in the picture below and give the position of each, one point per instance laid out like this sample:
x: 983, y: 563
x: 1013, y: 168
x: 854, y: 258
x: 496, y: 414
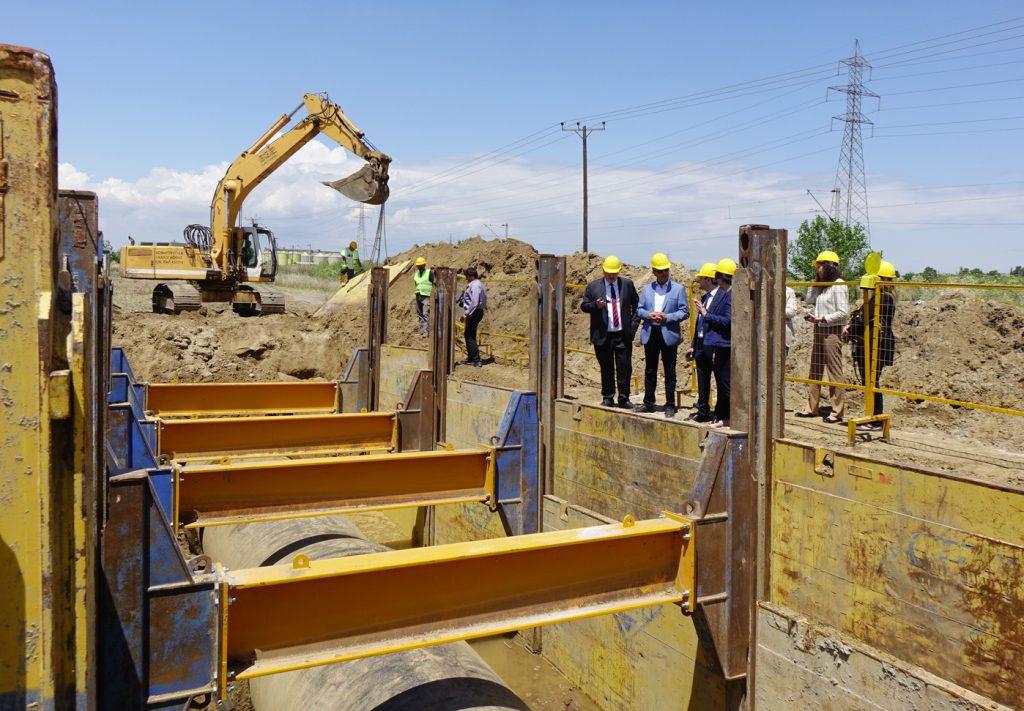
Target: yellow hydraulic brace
x: 222, y: 494
x: 287, y: 617
x: 191, y: 400
x: 213, y: 438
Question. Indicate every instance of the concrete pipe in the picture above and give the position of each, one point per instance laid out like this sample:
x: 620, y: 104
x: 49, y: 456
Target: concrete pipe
x: 449, y: 676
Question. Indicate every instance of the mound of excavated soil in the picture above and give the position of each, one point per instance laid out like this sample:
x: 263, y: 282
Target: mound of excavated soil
x: 958, y: 345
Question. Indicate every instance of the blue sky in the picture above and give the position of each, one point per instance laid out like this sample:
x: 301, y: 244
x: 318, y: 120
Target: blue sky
x: 154, y: 100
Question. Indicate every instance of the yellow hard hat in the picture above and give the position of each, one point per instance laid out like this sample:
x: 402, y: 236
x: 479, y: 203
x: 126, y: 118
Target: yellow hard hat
x: 421, y: 262
x: 887, y: 270
x: 708, y: 269
x: 660, y: 261
x: 726, y: 266
x: 868, y: 281
x: 827, y: 256
x: 352, y: 245
x: 612, y: 265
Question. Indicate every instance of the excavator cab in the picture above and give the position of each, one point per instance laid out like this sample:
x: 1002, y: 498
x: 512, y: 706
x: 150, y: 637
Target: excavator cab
x: 258, y: 253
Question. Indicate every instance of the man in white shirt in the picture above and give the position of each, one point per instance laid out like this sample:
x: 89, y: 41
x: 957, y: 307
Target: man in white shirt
x: 831, y: 302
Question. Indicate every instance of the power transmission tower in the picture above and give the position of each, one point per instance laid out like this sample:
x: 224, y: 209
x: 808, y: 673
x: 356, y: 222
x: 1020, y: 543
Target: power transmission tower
x: 583, y: 132
x: 361, y: 229
x: 851, y: 187
x: 379, y: 253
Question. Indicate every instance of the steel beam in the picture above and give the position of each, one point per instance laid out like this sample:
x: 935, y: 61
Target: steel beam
x: 187, y: 400
x: 211, y: 438
x: 282, y: 618
x: 298, y: 488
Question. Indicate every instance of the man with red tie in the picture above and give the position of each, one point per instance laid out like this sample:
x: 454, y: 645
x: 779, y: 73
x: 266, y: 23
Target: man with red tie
x: 611, y: 302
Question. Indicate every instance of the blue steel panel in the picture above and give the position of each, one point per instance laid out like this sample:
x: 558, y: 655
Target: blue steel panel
x: 158, y: 624
x: 162, y: 480
x: 517, y: 465
x: 118, y: 388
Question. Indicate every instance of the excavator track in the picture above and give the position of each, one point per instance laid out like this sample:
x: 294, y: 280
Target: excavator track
x: 168, y: 299
x: 271, y: 302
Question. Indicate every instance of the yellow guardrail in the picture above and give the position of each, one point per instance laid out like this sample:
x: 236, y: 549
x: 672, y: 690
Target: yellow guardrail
x: 873, y: 334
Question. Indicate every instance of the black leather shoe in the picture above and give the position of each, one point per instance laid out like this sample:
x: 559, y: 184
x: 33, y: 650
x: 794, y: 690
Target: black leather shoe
x: 645, y: 407
x: 699, y: 418
x: 625, y: 404
x: 670, y: 411
x: 607, y: 402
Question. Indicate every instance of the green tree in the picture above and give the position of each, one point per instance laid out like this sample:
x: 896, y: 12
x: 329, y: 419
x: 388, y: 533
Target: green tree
x: 848, y: 241
x: 930, y: 274
x: 1017, y: 271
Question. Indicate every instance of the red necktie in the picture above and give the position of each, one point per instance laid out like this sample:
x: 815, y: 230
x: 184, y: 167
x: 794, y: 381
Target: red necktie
x: 615, y: 307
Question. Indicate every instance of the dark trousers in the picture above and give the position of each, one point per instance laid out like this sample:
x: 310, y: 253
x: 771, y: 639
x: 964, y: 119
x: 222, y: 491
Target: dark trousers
x: 702, y: 359
x: 472, y: 323
x: 615, y: 356
x: 423, y: 312
x: 858, y: 357
x: 654, y: 349
x: 720, y: 366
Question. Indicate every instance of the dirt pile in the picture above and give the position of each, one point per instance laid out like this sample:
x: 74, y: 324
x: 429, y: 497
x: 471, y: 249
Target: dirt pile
x: 958, y: 345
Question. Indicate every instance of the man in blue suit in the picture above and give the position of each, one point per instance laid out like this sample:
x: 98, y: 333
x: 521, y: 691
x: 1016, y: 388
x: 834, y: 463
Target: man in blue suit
x: 662, y: 308
x: 716, y: 320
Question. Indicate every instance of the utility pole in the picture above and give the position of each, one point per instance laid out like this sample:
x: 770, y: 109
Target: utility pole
x: 851, y: 186
x: 583, y: 131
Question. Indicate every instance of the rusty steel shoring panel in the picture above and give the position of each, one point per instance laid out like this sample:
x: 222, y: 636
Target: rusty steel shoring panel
x: 377, y: 332
x: 417, y: 419
x: 309, y: 613
x: 758, y: 334
x: 441, y: 357
x: 547, y: 355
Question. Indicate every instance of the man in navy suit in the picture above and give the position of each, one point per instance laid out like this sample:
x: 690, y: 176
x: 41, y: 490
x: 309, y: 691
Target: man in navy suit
x: 701, y: 356
x: 662, y: 309
x: 716, y: 320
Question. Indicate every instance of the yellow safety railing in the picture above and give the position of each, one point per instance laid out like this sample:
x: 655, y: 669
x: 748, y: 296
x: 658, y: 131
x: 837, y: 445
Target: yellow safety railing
x: 936, y: 328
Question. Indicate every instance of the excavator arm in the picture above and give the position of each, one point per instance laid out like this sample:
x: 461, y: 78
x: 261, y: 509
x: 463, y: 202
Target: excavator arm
x: 368, y: 185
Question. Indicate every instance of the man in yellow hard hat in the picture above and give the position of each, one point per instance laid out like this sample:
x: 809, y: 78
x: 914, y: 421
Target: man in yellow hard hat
x: 423, y: 281
x: 697, y: 352
x: 662, y: 308
x: 715, y: 323
x: 350, y: 260
x: 611, y: 302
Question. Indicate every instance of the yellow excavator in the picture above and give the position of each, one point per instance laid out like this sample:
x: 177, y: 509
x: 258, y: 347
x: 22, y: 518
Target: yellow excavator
x: 218, y: 263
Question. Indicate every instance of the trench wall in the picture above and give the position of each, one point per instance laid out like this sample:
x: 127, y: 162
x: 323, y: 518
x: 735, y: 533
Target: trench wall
x: 609, y: 464
x: 474, y: 415
x: 398, y: 367
x: 918, y: 568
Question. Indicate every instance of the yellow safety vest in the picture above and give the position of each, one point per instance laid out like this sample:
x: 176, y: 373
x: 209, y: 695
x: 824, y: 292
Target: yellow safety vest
x: 422, y: 280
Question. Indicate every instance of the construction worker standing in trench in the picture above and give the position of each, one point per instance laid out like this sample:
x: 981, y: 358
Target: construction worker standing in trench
x: 831, y: 311
x: 350, y: 260
x: 423, y: 279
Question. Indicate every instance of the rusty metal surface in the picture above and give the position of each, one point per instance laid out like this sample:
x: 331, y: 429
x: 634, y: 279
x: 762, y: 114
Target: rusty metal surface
x: 721, y: 505
x: 377, y: 332
x: 417, y: 422
x: 158, y: 640
x: 441, y: 355
x: 547, y: 355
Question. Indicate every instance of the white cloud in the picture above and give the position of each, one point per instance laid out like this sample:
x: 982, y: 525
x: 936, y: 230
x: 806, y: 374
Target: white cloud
x: 689, y: 209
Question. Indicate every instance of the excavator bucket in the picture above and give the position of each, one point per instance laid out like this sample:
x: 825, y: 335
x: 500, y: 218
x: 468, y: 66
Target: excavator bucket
x: 368, y: 184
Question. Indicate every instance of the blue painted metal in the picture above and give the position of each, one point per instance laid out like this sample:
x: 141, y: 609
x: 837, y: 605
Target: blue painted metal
x: 517, y: 466
x: 158, y: 631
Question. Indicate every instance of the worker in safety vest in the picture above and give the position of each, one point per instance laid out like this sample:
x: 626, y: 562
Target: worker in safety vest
x: 423, y: 279
x: 350, y: 260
